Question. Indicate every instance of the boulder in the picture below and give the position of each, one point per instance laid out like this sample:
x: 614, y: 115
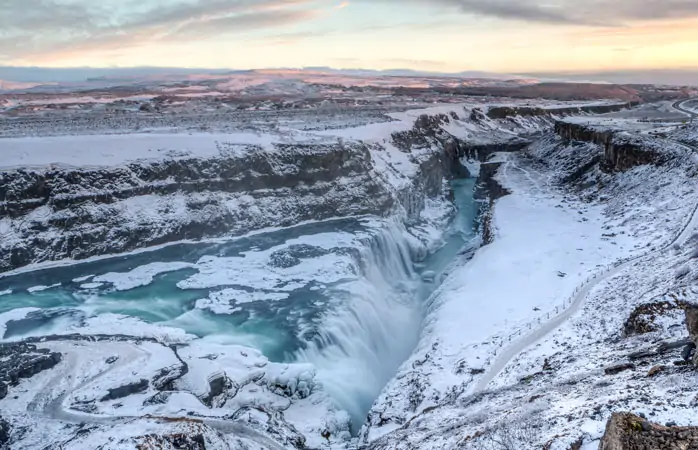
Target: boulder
x: 625, y: 431
x: 126, y: 390
x: 692, y: 322
x: 4, y: 433
x: 656, y: 370
x: 614, y: 370
x: 692, y: 326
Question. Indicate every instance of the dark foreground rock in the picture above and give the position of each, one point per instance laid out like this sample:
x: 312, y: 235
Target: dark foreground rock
x: 126, y: 390
x: 63, y: 212
x: 4, y: 433
x: 173, y: 441
x: 626, y: 431
x: 23, y: 360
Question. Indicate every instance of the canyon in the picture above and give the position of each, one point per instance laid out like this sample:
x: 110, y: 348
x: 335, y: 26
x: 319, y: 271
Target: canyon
x: 336, y: 288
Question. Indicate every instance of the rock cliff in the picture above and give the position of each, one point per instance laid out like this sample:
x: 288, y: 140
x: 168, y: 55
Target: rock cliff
x: 629, y: 432
x: 621, y: 151
x: 502, y: 112
x: 52, y: 213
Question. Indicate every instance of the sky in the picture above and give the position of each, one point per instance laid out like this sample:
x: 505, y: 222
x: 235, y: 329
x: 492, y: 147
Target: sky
x: 504, y: 36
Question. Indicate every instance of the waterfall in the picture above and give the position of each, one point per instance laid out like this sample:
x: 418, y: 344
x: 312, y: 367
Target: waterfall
x: 361, y: 343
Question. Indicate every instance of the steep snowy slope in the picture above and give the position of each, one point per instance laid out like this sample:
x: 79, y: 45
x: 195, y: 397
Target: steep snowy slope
x: 598, y: 231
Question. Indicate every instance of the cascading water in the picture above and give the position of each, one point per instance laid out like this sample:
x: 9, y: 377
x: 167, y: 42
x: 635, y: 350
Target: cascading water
x: 360, y: 345
x: 346, y: 296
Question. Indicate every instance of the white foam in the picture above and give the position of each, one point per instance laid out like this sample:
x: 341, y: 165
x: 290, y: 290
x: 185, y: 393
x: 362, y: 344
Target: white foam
x: 253, y: 269
x: 42, y: 288
x: 226, y: 301
x: 140, y: 276
x: 15, y: 314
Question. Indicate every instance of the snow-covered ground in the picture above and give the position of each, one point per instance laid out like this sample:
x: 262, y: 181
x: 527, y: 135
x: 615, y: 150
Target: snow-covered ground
x: 558, y: 229
x: 451, y: 393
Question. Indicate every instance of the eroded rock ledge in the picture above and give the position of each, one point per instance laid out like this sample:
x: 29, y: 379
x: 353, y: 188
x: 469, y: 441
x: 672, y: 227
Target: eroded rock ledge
x: 53, y: 213
x: 488, y: 190
x: 626, y: 431
x: 621, y: 150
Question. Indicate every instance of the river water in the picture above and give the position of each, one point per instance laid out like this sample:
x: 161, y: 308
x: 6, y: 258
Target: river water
x: 346, y: 296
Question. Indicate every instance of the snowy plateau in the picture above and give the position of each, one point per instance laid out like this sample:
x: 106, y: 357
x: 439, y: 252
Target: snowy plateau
x: 487, y: 273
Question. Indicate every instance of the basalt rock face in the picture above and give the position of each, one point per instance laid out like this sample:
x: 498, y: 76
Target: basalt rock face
x: 502, y: 112
x: 626, y: 431
x: 488, y: 190
x: 23, y: 360
x: 482, y: 152
x: 621, y: 152
x: 4, y: 433
x: 428, y: 133
x: 57, y: 213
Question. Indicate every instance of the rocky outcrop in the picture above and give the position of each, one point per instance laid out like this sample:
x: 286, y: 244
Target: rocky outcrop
x: 22, y: 360
x: 175, y: 441
x: 487, y: 191
x: 621, y: 151
x: 642, y: 319
x: 126, y: 390
x: 482, y: 152
x: 503, y: 112
x: 625, y: 431
x: 692, y: 326
x: 428, y: 133
x: 4, y: 433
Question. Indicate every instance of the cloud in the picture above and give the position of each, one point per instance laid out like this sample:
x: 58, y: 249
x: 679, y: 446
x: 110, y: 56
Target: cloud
x: 59, y: 26
x: 583, y: 12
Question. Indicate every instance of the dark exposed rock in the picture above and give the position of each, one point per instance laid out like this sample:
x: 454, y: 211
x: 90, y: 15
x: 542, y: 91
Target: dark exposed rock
x: 85, y: 219
x: 83, y: 211
x: 577, y: 445
x: 220, y: 390
x: 5, y: 430
x: 165, y: 378
x: 667, y: 346
x: 23, y: 360
x: 692, y: 322
x: 621, y: 152
x: 502, y: 112
x: 656, y: 370
x: 158, y: 399
x: 488, y: 190
x: 179, y: 441
x: 482, y: 152
x: 641, y: 319
x: 614, y: 370
x: 3, y: 390
x: 688, y: 351
x: 274, y: 425
x: 126, y: 390
x: 625, y: 431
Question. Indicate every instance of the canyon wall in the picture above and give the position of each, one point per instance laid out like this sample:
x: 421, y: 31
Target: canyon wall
x: 54, y: 213
x: 621, y: 150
